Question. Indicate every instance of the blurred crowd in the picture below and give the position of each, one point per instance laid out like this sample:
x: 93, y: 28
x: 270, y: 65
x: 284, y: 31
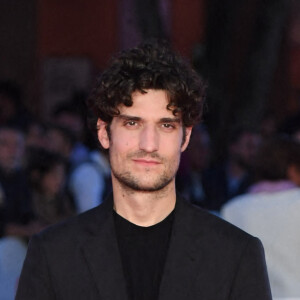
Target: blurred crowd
x: 257, y: 188
x: 49, y: 170
x: 53, y: 170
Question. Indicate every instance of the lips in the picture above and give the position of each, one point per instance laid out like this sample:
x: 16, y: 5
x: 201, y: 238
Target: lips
x: 147, y: 162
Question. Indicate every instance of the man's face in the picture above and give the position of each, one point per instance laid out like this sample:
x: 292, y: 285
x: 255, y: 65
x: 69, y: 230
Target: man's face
x: 145, y: 143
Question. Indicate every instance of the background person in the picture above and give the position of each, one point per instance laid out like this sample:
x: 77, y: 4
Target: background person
x: 270, y: 211
x: 232, y: 177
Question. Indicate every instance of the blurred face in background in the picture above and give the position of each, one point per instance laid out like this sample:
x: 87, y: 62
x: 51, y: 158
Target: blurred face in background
x: 198, y: 151
x: 71, y: 121
x: 11, y: 149
x: 53, y: 181
x: 58, y: 143
x: 35, y: 136
x: 244, y: 150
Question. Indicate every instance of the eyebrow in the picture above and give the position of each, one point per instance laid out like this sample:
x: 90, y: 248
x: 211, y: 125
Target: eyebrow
x: 162, y: 120
x: 127, y: 117
x: 170, y: 120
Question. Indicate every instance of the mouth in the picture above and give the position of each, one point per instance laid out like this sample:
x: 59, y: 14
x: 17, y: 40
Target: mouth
x: 147, y: 162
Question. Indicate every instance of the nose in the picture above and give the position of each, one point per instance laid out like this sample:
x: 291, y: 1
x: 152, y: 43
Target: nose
x: 149, y: 139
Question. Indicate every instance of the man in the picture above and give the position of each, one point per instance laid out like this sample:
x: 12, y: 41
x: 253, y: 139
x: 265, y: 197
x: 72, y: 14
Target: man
x: 234, y: 176
x: 16, y: 216
x: 264, y: 209
x: 145, y: 242
x: 86, y: 180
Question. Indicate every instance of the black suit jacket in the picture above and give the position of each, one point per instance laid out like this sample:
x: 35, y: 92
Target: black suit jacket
x: 208, y: 259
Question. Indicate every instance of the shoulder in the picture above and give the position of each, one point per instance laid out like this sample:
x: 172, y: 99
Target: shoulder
x: 212, y: 227
x: 223, y: 247
x: 240, y: 202
x: 262, y: 200
x: 77, y: 228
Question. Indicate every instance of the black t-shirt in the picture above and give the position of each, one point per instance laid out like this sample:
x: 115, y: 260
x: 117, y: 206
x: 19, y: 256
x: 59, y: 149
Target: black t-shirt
x: 143, y: 252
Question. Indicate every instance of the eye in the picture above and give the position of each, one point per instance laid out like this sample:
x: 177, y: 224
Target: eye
x: 168, y: 126
x: 130, y: 123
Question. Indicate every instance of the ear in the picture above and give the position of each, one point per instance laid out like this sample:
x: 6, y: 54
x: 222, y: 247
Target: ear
x: 102, y: 134
x: 188, y: 132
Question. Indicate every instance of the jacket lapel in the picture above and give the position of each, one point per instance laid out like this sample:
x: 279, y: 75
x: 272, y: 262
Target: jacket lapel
x: 183, y: 262
x: 100, y: 250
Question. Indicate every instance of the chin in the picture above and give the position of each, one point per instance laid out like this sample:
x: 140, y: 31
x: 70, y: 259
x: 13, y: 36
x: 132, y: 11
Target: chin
x: 150, y: 185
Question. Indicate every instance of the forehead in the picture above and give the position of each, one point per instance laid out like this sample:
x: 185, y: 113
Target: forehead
x: 152, y: 104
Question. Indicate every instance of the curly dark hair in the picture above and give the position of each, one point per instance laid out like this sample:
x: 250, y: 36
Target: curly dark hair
x: 151, y: 65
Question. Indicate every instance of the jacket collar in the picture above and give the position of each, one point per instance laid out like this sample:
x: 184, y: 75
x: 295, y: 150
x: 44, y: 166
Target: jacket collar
x: 183, y: 258
x: 101, y: 253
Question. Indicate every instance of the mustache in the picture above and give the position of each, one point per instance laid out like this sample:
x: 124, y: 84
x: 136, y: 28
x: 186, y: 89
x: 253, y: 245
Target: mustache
x: 144, y: 154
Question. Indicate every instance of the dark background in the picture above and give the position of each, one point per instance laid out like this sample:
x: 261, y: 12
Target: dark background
x: 248, y: 52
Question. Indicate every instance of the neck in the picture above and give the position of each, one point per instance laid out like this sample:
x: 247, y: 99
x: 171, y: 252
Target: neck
x: 143, y: 208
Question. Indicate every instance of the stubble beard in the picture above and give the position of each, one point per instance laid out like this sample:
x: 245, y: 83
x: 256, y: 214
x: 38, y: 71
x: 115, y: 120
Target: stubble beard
x: 128, y: 181
x: 132, y: 182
